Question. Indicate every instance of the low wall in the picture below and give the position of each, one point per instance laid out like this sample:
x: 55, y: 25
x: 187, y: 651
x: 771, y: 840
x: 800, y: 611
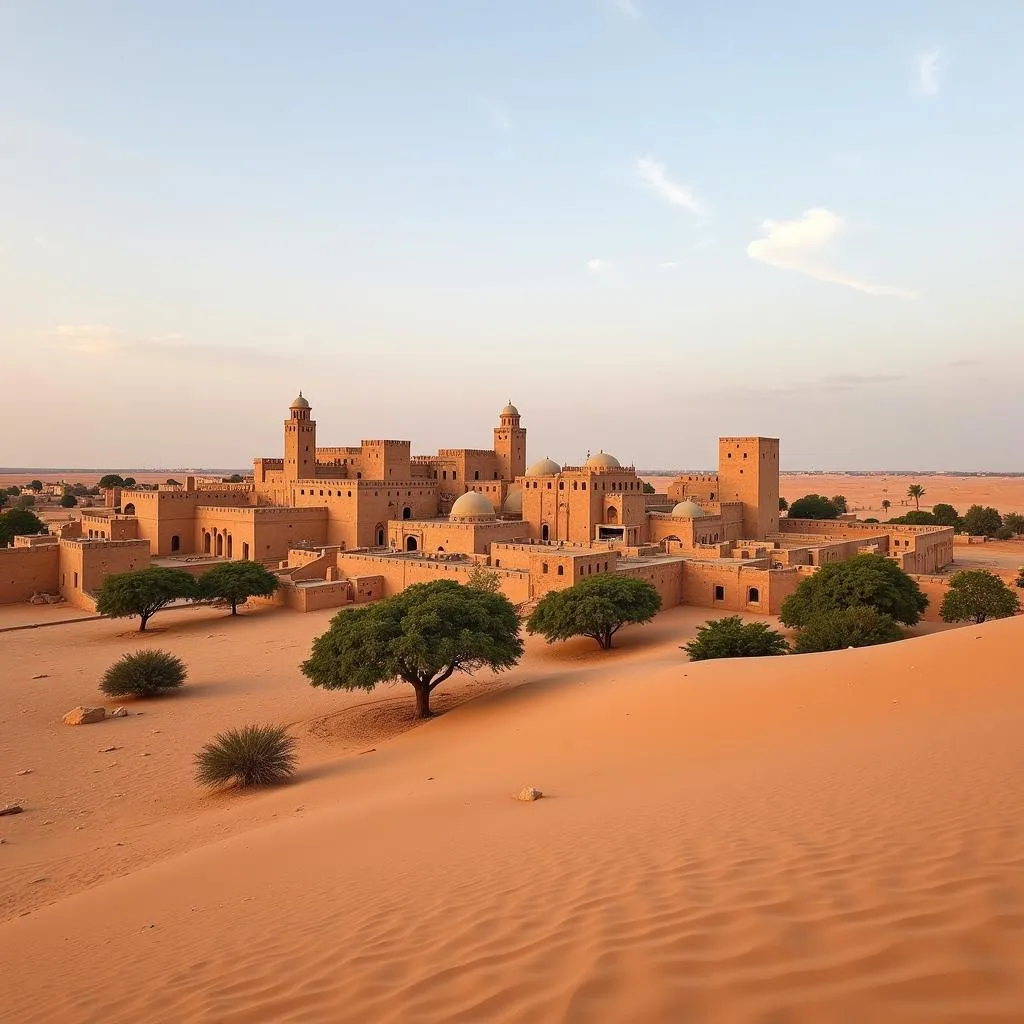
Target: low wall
x: 29, y: 570
x: 666, y: 578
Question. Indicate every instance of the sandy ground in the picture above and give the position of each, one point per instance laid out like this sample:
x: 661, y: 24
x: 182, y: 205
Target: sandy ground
x: 865, y: 494
x: 828, y: 838
x: 90, y: 479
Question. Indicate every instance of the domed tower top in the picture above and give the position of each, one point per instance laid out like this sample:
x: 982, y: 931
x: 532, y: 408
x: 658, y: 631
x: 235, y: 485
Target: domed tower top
x: 300, y: 408
x: 509, y: 416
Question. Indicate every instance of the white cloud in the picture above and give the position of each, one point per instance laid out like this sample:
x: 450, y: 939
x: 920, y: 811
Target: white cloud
x: 90, y: 339
x: 627, y: 7
x: 929, y: 71
x: 654, y: 175
x: 597, y: 266
x: 797, y: 245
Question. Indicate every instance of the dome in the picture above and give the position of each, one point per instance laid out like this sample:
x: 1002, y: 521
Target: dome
x: 687, y: 510
x: 472, y: 505
x: 544, y: 467
x: 510, y: 410
x: 602, y: 460
x: 299, y: 403
x: 513, y: 503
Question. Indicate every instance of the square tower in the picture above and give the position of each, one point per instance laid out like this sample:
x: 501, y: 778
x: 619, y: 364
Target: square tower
x: 510, y: 444
x: 300, y: 441
x: 748, y: 472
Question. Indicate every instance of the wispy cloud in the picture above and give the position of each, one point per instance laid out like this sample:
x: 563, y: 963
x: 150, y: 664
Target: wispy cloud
x: 929, y: 73
x: 100, y: 341
x: 597, y: 266
x: 654, y: 175
x: 495, y: 112
x: 798, y: 244
x: 629, y: 8
x: 89, y: 339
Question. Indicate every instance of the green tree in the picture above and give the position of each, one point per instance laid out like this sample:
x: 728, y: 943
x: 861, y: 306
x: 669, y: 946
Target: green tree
x: 857, y: 626
x: 917, y: 518
x: 945, y: 515
x: 482, y: 578
x: 143, y: 674
x: 36, y: 485
x: 840, y: 504
x: 143, y: 593
x: 420, y: 636
x: 783, y: 505
x: 813, y: 506
x: 1019, y: 581
x: 1014, y: 522
x: 975, y: 595
x: 68, y: 501
x: 916, y: 491
x: 982, y: 522
x: 173, y: 482
x: 13, y: 491
x: 648, y: 488
x: 886, y: 504
x: 18, y: 522
x: 111, y: 480
x: 733, y: 638
x: 235, y: 478
x: 598, y: 607
x: 236, y: 582
x: 129, y: 481
x: 3, y: 498
x: 872, y: 580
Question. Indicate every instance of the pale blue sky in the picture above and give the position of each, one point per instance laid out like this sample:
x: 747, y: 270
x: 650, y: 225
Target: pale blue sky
x: 648, y: 223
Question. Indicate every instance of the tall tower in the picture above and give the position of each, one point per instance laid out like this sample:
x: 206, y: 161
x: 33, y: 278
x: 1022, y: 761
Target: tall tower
x: 748, y: 472
x: 510, y: 444
x: 299, y: 441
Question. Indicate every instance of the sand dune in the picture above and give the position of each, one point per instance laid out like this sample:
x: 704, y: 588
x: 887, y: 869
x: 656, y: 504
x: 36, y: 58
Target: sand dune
x: 828, y: 838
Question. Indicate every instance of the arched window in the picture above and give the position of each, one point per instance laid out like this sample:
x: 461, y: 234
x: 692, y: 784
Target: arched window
x: 753, y: 595
x: 206, y: 543
x: 544, y: 567
x: 129, y: 509
x: 561, y: 570
x: 410, y: 544
x: 175, y: 543
x: 407, y: 512
x: 380, y: 534
x: 544, y: 532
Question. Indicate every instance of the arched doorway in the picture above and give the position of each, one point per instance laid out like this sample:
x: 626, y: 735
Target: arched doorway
x: 380, y: 535
x: 544, y: 531
x: 753, y: 595
x: 206, y: 543
x: 407, y: 512
x: 220, y: 545
x: 612, y: 515
x: 245, y: 550
x: 410, y: 544
x: 440, y: 549
x: 230, y: 546
x: 128, y: 510
x: 175, y: 543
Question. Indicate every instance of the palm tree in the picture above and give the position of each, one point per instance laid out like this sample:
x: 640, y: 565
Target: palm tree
x: 916, y: 491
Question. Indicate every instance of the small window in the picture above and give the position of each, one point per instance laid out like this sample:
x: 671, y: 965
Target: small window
x: 561, y: 485
x: 561, y: 570
x: 476, y: 474
x: 544, y: 568
x: 719, y: 593
x: 753, y: 595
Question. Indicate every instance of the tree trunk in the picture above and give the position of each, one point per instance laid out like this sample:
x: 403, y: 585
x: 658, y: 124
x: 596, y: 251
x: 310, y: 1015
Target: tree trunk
x: 234, y: 607
x: 422, y: 700
x: 143, y: 619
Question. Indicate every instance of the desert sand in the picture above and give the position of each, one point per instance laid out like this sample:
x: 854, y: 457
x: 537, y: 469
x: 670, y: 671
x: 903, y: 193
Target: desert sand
x: 826, y: 838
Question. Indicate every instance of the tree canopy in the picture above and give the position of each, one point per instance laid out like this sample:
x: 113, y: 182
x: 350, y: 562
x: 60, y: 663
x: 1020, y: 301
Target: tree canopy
x: 598, y: 607
x: 68, y: 501
x: 872, y: 580
x: 111, y: 480
x: 648, y: 488
x: 975, y: 595
x: 420, y: 636
x: 236, y: 582
x: 783, y: 505
x: 813, y: 506
x: 840, y: 504
x: 981, y: 521
x: 142, y: 593
x: 733, y: 638
x: 857, y: 626
x: 945, y: 515
x: 914, y: 518
x: 36, y: 485
x: 1014, y: 522
x: 18, y: 522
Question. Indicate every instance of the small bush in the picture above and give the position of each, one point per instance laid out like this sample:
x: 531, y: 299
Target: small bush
x: 143, y: 674
x: 732, y: 638
x: 254, y: 755
x: 859, y: 626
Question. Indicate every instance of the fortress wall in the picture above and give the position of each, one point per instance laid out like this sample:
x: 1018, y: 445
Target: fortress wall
x: 773, y: 586
x: 667, y: 579
x: 28, y: 570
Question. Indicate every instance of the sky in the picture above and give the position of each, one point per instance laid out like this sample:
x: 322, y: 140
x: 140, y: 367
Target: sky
x: 648, y: 223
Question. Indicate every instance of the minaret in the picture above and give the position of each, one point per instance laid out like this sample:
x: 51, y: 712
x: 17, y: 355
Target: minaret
x: 510, y: 444
x: 300, y: 442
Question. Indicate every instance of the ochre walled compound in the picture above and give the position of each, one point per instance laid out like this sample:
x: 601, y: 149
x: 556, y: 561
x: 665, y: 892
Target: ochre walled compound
x: 352, y: 524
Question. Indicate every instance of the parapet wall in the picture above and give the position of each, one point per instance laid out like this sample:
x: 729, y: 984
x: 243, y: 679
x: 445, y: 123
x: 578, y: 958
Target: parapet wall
x: 28, y: 570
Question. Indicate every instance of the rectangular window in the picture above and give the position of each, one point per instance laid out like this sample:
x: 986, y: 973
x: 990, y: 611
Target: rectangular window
x: 719, y: 593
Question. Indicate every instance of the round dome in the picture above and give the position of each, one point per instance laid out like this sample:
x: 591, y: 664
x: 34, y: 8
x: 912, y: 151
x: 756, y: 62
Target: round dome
x: 471, y: 505
x: 510, y: 410
x: 544, y: 467
x: 513, y: 503
x: 602, y: 460
x: 299, y: 403
x: 687, y: 510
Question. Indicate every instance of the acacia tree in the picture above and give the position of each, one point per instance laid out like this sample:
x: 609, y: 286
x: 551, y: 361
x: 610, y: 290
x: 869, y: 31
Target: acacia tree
x: 420, y: 636
x: 236, y: 582
x: 18, y: 522
x: 886, y: 504
x: 864, y: 580
x: 841, y: 504
x: 813, y: 506
x: 945, y: 514
x: 598, y: 607
x: 975, y: 595
x: 111, y: 480
x: 143, y: 593
x: 982, y: 522
x: 916, y: 491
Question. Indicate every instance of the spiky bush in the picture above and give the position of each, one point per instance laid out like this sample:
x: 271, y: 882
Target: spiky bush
x: 143, y: 674
x: 254, y: 755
